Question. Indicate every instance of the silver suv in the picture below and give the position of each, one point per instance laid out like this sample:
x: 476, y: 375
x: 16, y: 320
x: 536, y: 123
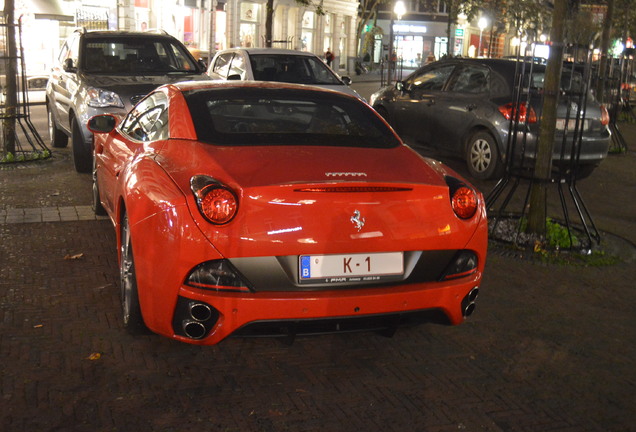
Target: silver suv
x: 101, y: 72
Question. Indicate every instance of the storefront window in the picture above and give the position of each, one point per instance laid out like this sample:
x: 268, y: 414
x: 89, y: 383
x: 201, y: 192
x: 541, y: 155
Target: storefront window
x: 308, y: 31
x: 247, y: 27
x: 328, y: 38
x: 342, y: 47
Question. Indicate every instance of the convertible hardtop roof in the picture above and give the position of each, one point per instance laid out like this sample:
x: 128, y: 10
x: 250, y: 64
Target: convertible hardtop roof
x: 271, y: 85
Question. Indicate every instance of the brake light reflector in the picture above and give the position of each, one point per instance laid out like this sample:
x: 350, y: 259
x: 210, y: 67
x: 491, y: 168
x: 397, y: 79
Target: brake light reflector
x: 218, y: 205
x: 216, y: 202
x: 525, y: 112
x: 464, y: 202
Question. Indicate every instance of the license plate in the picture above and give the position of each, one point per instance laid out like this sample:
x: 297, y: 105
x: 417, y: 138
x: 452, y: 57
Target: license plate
x: 368, y: 267
x: 560, y: 124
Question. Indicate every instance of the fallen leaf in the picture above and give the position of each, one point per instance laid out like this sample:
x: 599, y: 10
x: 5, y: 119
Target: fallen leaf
x: 38, y: 326
x: 94, y: 356
x: 74, y: 257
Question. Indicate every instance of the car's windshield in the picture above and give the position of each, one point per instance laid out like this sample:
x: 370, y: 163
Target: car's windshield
x: 131, y: 56
x: 252, y: 116
x: 293, y: 69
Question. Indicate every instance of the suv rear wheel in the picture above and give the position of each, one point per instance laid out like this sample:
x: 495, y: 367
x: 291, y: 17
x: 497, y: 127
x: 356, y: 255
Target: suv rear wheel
x: 57, y: 137
x: 82, y: 152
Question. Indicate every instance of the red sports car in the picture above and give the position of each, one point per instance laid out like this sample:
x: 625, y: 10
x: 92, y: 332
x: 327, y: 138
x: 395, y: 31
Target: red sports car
x: 247, y: 208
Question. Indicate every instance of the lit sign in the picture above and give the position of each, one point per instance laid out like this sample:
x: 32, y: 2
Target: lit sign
x: 403, y: 28
x: 459, y: 32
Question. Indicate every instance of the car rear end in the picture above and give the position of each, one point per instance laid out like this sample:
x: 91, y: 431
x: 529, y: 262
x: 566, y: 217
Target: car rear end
x: 582, y: 136
x: 306, y: 234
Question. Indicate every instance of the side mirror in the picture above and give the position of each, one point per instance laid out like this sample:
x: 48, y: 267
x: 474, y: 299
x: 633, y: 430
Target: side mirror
x: 347, y: 80
x: 401, y: 86
x: 68, y: 66
x: 202, y: 64
x: 103, y: 123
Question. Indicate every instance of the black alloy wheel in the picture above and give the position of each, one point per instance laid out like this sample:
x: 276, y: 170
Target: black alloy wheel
x: 132, y: 317
x: 82, y: 152
x: 97, y: 206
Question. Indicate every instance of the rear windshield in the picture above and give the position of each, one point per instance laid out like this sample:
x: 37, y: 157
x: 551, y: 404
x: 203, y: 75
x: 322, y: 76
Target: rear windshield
x: 131, y: 56
x: 299, y: 69
x: 570, y: 81
x: 252, y: 116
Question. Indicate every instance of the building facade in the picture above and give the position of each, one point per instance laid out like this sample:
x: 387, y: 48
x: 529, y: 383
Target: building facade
x: 205, y: 26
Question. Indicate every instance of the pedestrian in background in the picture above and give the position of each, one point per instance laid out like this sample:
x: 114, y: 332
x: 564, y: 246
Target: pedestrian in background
x: 329, y: 57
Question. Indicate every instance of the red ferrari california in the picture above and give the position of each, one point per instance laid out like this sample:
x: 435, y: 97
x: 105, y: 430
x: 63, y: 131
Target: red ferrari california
x: 246, y: 208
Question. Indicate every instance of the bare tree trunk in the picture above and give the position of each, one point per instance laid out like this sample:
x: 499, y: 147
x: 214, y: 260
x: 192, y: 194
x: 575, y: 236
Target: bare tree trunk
x: 543, y: 164
x: 605, y: 44
x: 269, y: 19
x: 11, y: 101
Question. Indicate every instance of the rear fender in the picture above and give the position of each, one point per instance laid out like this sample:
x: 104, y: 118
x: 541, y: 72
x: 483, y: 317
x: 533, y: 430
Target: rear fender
x: 163, y: 235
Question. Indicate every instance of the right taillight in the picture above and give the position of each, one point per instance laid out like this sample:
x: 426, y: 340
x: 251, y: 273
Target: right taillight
x: 605, y: 118
x: 525, y: 113
x: 464, y: 201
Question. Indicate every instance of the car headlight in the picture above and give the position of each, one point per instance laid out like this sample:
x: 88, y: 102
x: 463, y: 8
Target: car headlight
x: 98, y: 98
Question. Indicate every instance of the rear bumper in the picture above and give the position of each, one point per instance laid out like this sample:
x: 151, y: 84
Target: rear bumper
x: 359, y: 309
x: 592, y: 150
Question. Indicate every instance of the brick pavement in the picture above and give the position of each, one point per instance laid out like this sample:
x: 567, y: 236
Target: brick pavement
x: 550, y: 348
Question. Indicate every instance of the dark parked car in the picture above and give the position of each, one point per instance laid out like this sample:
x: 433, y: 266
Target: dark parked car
x: 101, y: 72
x: 464, y: 106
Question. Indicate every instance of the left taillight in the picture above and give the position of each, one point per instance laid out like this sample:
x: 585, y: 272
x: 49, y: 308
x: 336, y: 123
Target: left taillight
x: 525, y: 113
x: 605, y: 118
x: 464, y: 201
x: 216, y: 202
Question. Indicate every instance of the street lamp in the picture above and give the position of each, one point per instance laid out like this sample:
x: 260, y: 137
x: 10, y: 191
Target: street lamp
x: 482, y: 24
x: 399, y: 9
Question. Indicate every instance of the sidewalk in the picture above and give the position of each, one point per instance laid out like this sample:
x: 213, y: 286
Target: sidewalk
x: 549, y: 348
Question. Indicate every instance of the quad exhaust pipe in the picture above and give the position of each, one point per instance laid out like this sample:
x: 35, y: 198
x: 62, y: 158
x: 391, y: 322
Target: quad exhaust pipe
x: 194, y: 325
x: 468, y: 304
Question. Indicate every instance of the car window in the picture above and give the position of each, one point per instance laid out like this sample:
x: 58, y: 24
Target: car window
x: 148, y: 121
x: 471, y: 79
x: 430, y: 78
x: 70, y: 50
x: 131, y: 56
x: 292, y: 68
x: 237, y: 66
x: 221, y: 65
x: 276, y: 117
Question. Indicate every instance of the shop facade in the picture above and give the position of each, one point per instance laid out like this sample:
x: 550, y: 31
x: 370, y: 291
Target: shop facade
x: 205, y: 26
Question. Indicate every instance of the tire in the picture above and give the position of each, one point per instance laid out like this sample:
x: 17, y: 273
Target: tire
x: 57, y: 137
x: 82, y: 152
x: 482, y: 156
x: 131, y: 310
x: 97, y: 206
